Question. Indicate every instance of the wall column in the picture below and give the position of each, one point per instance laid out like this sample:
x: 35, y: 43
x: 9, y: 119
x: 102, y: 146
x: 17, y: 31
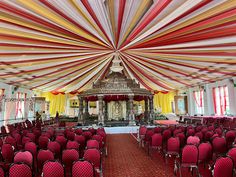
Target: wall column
x: 86, y: 111
x: 146, y: 112
x: 151, y: 109
x: 100, y: 110
x: 131, y: 110
x: 81, y: 107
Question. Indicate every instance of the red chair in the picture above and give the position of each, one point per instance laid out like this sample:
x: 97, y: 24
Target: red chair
x: 7, y: 153
x: 199, y: 135
x: 43, y: 156
x: 25, y: 157
x: 208, y: 135
x: 166, y: 134
x: 53, y: 169
x: 190, y: 132
x: 62, y: 141
x: 172, y: 148
x: 68, y: 157
x: 182, y: 139
x: 43, y: 142
x: 25, y: 140
x: 82, y: 168
x: 70, y: 136
x: 92, y: 144
x: 72, y: 145
x: 230, y: 137
x: 194, y: 140
x: 92, y: 130
x: 219, y: 146
x: 205, y: 153
x: 55, y: 147
x: 232, y: 153
x: 20, y: 170
x: 156, y: 143
x: 223, y: 167
x: 1, y: 142
x: 219, y: 131
x: 157, y: 130
x: 87, y: 134
x: 2, y: 172
x: 10, y: 140
x: 94, y: 156
x: 31, y: 147
x: 31, y: 136
x: 189, y: 159
x: 81, y: 140
x: 79, y: 131
x: 142, y: 133
x: 99, y: 138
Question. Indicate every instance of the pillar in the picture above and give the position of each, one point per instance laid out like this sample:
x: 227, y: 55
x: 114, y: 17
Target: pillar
x: 81, y: 107
x: 131, y: 110
x: 146, y: 112
x: 86, y: 111
x: 106, y: 111
x: 100, y: 110
x: 151, y: 109
x: 127, y: 109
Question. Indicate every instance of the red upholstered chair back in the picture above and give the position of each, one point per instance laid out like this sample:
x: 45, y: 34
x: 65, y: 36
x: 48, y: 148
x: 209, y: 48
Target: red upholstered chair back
x: 68, y: 157
x: 99, y: 138
x: 55, y: 147
x: 62, y: 141
x: 182, y: 138
x: 190, y: 155
x: 25, y: 140
x: 219, y: 131
x: 79, y: 131
x: 70, y: 135
x: 72, y: 145
x: 82, y: 168
x: 10, y: 140
x: 92, y: 130
x: 7, y: 153
x: 92, y: 144
x: 232, y: 153
x: 43, y: 156
x: 1, y: 142
x: 142, y: 130
x: 43, y: 142
x: 176, y: 131
x: 2, y: 172
x: 195, y: 140
x: 157, y: 130
x: 31, y: 147
x: 156, y: 140
x: 205, y: 152
x: 166, y: 134
x: 230, y: 137
x: 208, y: 135
x: 31, y: 136
x: 199, y: 135
x: 223, y: 167
x: 53, y: 169
x: 190, y: 132
x: 173, y: 145
x: 87, y: 134
x: 25, y: 157
x: 93, y: 156
x: 80, y: 139
x: 20, y: 170
x: 219, y: 145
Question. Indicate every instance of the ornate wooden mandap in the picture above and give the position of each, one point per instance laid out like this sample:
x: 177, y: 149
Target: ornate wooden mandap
x: 115, y: 95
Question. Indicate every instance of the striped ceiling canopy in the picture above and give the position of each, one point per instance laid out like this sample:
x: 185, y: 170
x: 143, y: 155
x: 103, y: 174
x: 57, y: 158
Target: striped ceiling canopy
x: 67, y: 45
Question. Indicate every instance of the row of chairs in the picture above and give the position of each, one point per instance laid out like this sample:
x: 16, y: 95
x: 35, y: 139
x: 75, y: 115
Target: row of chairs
x: 174, y: 142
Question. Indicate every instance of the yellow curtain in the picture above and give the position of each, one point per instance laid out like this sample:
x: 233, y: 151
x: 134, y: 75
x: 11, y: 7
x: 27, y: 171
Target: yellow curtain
x: 57, y: 102
x: 163, y: 101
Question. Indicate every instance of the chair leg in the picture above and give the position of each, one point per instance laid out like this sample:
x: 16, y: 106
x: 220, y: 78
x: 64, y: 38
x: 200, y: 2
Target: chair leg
x: 180, y: 172
x: 198, y: 174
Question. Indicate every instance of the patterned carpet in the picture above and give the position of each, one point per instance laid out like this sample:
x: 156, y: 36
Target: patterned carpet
x: 126, y: 159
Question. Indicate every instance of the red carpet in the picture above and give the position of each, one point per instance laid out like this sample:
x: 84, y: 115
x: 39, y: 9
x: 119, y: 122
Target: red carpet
x: 126, y: 159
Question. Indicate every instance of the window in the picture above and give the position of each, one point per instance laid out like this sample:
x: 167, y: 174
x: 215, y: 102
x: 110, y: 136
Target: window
x: 199, y: 101
x: 221, y: 100
x: 20, y: 105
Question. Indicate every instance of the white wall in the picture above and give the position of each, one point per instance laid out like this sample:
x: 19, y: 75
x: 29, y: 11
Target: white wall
x: 8, y: 95
x: 208, y: 97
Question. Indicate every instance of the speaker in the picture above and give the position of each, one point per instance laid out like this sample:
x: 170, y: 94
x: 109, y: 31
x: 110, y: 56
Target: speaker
x: 74, y: 103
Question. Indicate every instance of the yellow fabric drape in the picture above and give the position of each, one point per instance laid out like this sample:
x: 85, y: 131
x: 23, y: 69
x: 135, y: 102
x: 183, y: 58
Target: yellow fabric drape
x: 163, y: 101
x: 57, y: 102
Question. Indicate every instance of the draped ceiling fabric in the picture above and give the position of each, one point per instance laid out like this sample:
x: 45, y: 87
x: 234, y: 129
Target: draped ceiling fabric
x: 66, y: 45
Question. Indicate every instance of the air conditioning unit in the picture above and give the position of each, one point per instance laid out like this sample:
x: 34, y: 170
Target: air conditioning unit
x: 74, y: 103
